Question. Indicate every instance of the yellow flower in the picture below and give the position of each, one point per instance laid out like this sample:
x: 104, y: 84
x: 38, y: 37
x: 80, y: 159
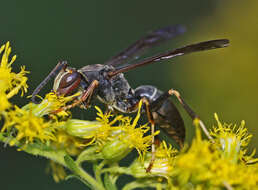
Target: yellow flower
x: 29, y: 127
x: 164, y: 160
x: 115, y: 136
x: 5, y: 104
x: 232, y: 139
x: 205, y: 166
x: 10, y: 82
x: 50, y: 104
x: 57, y: 170
x: 195, y: 164
x: 98, y: 131
x: 126, y: 136
x: 104, y: 132
x: 163, y: 164
x: 72, y: 145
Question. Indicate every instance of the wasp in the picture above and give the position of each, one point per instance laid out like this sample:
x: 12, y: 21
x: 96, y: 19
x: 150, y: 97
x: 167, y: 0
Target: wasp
x: 107, y: 83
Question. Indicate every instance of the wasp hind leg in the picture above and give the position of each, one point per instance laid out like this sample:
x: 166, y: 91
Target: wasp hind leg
x: 151, y: 120
x: 186, y: 107
x: 161, y: 110
x: 163, y: 113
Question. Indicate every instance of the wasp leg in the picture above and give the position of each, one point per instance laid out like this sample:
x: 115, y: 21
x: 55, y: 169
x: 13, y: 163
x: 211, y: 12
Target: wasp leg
x: 87, y: 94
x: 187, y: 108
x: 151, y: 120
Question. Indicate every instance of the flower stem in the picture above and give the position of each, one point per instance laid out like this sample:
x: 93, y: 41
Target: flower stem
x: 97, y: 171
x: 82, y: 174
x: 62, y: 158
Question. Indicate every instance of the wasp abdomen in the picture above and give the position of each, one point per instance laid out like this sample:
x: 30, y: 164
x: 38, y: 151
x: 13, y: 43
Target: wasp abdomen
x: 165, y: 113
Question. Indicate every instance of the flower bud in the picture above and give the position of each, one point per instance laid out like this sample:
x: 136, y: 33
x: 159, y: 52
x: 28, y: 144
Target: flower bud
x: 161, y: 167
x: 115, y: 150
x: 81, y: 128
x: 138, y: 167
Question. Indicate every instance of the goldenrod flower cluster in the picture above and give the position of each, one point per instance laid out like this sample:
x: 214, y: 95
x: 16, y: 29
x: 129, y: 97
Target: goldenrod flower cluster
x: 10, y: 83
x: 222, y: 165
x: 39, y: 129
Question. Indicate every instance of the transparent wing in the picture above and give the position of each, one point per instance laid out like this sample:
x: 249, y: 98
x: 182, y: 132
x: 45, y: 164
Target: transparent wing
x: 154, y: 38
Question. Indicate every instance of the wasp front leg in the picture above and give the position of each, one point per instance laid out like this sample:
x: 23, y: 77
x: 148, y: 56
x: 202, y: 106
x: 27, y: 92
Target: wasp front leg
x: 85, y: 97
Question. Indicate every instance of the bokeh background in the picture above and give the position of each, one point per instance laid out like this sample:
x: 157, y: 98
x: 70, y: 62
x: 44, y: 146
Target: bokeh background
x: 89, y: 32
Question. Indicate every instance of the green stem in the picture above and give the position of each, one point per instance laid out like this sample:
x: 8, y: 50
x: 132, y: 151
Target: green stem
x: 74, y: 167
x: 60, y: 157
x: 55, y: 155
x: 98, y: 171
x: 84, y: 175
x: 37, y: 150
x: 117, y: 169
x: 132, y: 185
x: 109, y: 183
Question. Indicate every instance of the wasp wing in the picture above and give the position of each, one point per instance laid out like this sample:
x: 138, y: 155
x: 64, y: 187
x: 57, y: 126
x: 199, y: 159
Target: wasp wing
x: 154, y: 38
x: 202, y: 46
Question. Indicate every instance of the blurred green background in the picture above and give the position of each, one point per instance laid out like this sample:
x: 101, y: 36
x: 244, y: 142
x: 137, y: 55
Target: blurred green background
x: 89, y: 32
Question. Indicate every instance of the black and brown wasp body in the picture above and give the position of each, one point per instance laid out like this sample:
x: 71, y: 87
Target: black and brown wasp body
x: 107, y: 83
x: 117, y: 94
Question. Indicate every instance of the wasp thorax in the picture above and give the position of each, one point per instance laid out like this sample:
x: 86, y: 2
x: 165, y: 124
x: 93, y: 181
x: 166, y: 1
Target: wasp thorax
x: 67, y: 82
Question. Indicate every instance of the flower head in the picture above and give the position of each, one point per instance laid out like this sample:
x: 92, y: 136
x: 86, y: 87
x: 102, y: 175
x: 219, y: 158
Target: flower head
x: 163, y: 164
x: 28, y: 127
x: 205, y: 166
x: 231, y: 139
x: 164, y: 160
x: 71, y: 144
x: 57, y: 171
x: 51, y: 104
x: 126, y: 136
x: 10, y: 82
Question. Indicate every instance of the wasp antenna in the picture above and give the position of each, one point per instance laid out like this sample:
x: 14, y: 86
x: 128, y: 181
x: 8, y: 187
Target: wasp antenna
x: 53, y: 73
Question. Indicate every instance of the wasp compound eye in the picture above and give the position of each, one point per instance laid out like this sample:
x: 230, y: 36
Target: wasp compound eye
x: 69, y: 79
x: 68, y: 83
